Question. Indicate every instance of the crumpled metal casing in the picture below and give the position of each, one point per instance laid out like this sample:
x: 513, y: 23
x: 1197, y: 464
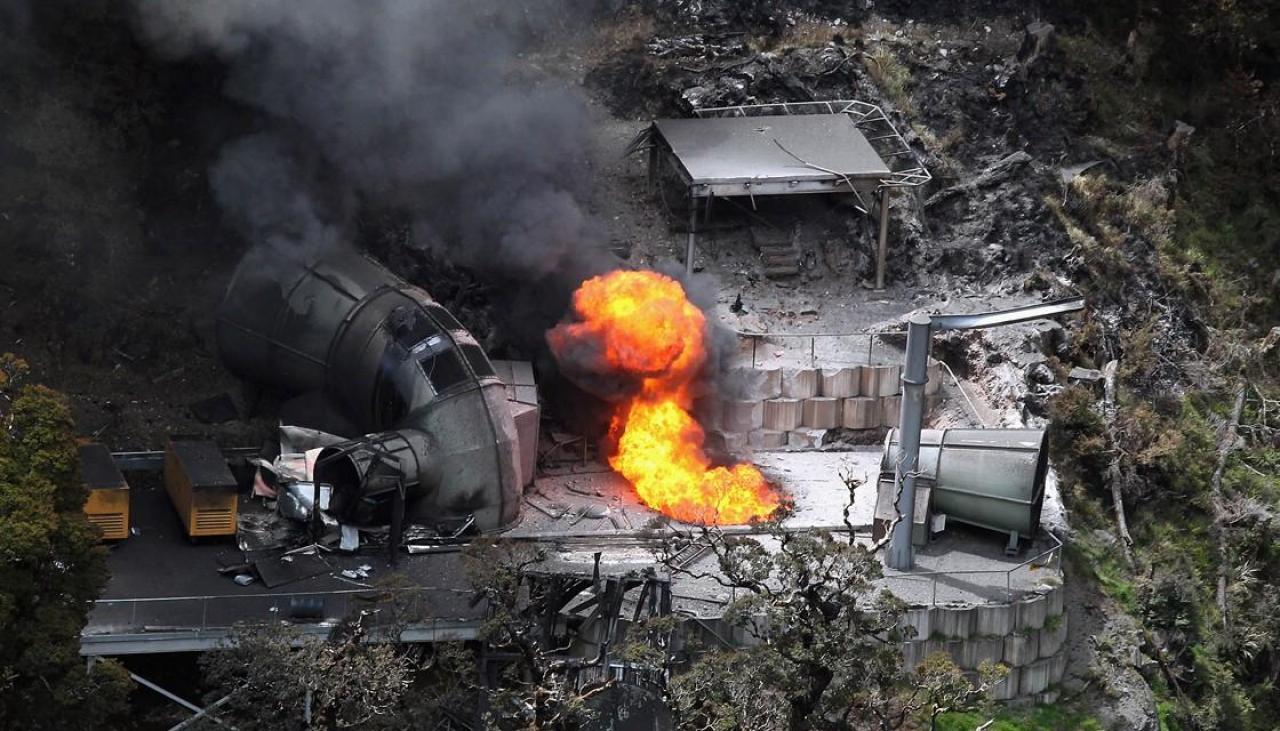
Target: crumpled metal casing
x: 400, y: 366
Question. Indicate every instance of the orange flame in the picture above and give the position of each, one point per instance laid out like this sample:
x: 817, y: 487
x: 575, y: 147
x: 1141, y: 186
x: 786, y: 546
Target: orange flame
x: 645, y: 327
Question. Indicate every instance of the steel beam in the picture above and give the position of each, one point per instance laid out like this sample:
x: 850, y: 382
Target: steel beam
x: 882, y: 242
x: 693, y: 229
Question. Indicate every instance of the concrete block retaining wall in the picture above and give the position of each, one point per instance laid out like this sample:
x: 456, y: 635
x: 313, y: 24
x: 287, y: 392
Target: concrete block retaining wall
x: 1036, y: 658
x: 1028, y: 636
x: 792, y: 408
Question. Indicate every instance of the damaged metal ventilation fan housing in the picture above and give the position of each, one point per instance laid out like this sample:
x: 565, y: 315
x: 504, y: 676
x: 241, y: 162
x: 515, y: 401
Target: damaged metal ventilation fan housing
x: 399, y: 366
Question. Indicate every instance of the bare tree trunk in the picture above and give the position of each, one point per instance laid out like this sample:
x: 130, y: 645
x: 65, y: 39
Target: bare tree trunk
x: 1226, y: 444
x: 1114, y: 477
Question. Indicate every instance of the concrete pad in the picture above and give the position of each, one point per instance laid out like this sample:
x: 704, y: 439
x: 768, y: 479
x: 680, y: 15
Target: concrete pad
x: 783, y: 414
x: 841, y: 382
x: 860, y: 412
x: 799, y: 383
x: 767, y: 439
x: 741, y: 416
x: 822, y: 412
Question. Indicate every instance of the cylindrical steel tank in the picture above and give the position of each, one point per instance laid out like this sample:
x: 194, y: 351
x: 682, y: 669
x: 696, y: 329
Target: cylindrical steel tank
x: 400, y: 366
x: 992, y: 478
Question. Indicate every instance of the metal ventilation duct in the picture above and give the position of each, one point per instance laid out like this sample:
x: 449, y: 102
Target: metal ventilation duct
x: 401, y: 368
x: 991, y: 478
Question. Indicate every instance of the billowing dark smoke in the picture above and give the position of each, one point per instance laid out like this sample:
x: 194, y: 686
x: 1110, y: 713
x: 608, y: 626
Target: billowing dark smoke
x: 411, y: 104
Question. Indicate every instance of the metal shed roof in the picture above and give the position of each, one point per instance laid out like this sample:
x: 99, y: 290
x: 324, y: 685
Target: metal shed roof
x: 772, y: 155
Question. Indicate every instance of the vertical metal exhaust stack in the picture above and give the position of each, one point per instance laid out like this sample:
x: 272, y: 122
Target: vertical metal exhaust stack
x: 398, y: 365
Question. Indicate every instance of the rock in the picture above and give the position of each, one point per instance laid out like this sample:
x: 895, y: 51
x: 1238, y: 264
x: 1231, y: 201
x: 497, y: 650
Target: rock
x: 805, y: 438
x: 799, y: 383
x: 1180, y: 136
x: 822, y: 412
x: 1086, y: 376
x: 1036, y: 39
x: 783, y: 414
x: 1040, y: 373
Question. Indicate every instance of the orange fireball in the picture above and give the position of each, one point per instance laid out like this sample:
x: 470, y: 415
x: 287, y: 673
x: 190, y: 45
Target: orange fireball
x: 645, y: 327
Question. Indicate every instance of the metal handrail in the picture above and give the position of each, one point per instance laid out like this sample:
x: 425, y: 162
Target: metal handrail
x: 934, y: 576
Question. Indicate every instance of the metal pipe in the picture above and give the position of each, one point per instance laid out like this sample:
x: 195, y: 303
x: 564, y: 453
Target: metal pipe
x: 915, y: 375
x: 1007, y: 317
x: 882, y: 245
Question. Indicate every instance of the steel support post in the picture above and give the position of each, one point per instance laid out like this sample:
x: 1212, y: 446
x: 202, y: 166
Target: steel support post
x: 653, y: 167
x: 882, y: 243
x: 693, y: 229
x: 915, y: 374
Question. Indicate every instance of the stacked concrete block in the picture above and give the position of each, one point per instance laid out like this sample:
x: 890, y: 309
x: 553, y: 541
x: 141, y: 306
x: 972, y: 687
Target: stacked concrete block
x: 880, y: 380
x: 954, y: 622
x: 766, y: 439
x: 1053, y: 636
x: 822, y: 412
x: 783, y: 414
x: 890, y: 411
x: 992, y: 620
x: 805, y: 438
x: 799, y: 383
x: 1031, y: 612
x: 759, y: 384
x: 741, y: 416
x: 1040, y: 674
x: 917, y: 623
x: 936, y: 375
x: 1021, y: 648
x: 977, y: 650
x: 890, y: 380
x: 728, y: 442
x: 1007, y: 689
x: 869, y: 381
x: 972, y: 634
x: 860, y: 412
x: 841, y: 382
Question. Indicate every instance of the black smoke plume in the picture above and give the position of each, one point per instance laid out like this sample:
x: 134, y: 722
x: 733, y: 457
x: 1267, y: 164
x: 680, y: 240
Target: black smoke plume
x: 417, y: 105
